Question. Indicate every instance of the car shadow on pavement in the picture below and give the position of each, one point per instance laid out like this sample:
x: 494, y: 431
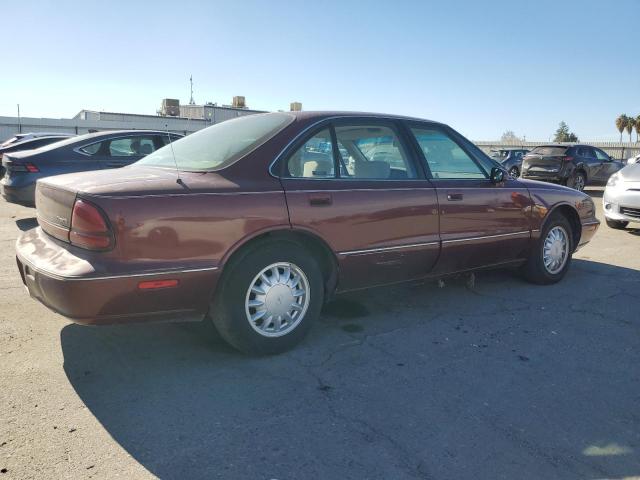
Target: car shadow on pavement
x: 25, y: 224
x: 500, y: 379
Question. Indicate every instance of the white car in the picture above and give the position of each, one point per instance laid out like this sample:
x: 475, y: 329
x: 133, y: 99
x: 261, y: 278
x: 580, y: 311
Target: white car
x: 621, y: 199
x: 20, y: 137
x: 635, y: 159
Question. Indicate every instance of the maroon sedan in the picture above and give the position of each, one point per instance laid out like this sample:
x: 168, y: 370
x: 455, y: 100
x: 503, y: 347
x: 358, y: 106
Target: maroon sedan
x: 260, y: 219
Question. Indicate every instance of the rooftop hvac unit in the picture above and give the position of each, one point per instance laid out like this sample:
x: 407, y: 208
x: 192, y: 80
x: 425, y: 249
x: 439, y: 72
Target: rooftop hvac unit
x: 170, y: 107
x: 238, y: 102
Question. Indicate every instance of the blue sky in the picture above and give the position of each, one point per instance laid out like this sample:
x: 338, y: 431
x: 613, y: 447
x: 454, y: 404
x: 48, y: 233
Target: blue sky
x: 482, y: 67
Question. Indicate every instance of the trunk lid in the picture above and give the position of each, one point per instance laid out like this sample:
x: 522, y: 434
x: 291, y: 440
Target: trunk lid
x: 53, y: 209
x: 544, y: 159
x: 55, y: 196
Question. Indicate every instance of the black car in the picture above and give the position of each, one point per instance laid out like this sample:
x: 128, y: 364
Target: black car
x: 510, y: 159
x: 24, y: 142
x: 572, y: 165
x: 94, y: 151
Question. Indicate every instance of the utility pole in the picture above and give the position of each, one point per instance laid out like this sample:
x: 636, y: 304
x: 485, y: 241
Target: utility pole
x: 191, y: 101
x: 19, y: 120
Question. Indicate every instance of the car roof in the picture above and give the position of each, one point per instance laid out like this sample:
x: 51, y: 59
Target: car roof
x: 320, y: 115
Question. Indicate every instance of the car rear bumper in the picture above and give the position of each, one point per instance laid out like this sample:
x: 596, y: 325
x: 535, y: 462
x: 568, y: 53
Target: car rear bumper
x: 545, y: 177
x: 21, y: 195
x: 88, y: 297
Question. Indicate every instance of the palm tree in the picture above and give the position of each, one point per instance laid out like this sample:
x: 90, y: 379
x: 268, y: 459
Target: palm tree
x: 638, y: 128
x: 621, y: 123
x: 631, y: 122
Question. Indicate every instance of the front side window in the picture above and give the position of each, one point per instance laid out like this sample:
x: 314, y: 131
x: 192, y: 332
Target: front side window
x: 131, y: 147
x: 601, y: 155
x: 314, y: 159
x: 372, y: 152
x: 445, y: 158
x: 220, y: 145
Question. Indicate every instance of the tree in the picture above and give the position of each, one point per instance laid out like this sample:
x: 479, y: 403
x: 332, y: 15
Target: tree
x: 631, y: 122
x: 621, y: 124
x: 510, y: 137
x: 564, y: 135
x: 638, y: 128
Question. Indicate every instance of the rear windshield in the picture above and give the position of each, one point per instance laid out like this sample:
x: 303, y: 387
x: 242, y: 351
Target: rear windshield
x: 220, y: 145
x: 549, y: 150
x: 10, y: 141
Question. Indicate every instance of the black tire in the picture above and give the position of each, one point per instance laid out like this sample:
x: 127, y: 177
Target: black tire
x: 514, y: 172
x: 616, y: 224
x: 534, y: 270
x: 577, y: 181
x: 228, y: 307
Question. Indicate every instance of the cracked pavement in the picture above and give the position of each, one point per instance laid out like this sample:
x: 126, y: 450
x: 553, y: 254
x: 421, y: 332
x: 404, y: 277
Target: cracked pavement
x: 499, y: 380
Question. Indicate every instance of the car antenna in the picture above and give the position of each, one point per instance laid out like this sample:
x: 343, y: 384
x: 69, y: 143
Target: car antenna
x: 178, y: 179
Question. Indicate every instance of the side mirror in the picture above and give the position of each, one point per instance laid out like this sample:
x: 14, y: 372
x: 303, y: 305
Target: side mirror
x: 497, y: 175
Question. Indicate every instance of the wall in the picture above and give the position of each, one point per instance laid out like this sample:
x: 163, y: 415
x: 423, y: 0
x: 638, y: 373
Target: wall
x: 89, y: 120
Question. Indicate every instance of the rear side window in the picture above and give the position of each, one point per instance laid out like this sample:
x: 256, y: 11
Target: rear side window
x: 165, y: 138
x: 91, y: 149
x: 445, y: 158
x: 314, y: 159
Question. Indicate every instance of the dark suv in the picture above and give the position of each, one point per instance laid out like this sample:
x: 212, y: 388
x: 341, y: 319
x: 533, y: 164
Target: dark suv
x: 510, y: 158
x: 572, y: 165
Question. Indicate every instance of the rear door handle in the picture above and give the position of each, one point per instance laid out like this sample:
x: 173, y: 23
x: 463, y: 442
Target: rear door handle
x: 320, y: 200
x: 453, y: 197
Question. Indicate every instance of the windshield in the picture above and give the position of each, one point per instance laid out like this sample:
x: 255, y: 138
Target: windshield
x: 551, y: 150
x: 499, y: 154
x: 220, y: 145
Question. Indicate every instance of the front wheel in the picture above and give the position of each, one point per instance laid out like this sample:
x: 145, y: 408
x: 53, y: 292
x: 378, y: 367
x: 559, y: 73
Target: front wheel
x: 550, y: 257
x: 514, y: 172
x: 268, y: 298
x: 616, y: 224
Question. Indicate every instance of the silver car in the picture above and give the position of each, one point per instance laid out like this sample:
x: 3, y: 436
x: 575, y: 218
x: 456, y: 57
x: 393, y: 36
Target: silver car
x: 621, y: 199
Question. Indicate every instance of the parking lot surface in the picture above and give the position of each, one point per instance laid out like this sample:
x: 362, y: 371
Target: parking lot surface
x: 497, y: 379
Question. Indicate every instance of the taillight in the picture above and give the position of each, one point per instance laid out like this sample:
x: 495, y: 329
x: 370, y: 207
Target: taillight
x: 89, y: 229
x: 567, y: 158
x: 22, y: 167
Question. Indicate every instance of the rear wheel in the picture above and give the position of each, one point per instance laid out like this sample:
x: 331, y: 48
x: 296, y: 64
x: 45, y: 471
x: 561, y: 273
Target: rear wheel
x: 514, y: 172
x: 577, y: 181
x: 268, y: 298
x: 617, y: 224
x: 550, y: 257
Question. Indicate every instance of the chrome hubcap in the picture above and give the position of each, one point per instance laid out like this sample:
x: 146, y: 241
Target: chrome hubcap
x: 579, y: 184
x: 555, y: 250
x: 514, y: 172
x: 277, y: 299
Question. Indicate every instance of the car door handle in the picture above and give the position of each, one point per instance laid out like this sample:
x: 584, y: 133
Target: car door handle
x: 320, y: 200
x: 453, y: 197
x: 115, y: 164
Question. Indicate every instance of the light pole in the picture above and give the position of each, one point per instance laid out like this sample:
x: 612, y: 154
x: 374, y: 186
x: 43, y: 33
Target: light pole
x: 19, y: 120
